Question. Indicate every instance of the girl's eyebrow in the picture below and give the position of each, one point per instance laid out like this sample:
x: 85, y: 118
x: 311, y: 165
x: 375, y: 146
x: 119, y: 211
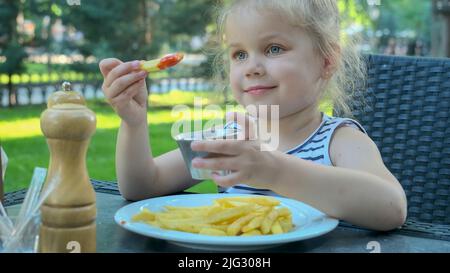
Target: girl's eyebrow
x: 269, y: 36
x: 234, y: 45
x: 272, y: 36
x: 262, y: 38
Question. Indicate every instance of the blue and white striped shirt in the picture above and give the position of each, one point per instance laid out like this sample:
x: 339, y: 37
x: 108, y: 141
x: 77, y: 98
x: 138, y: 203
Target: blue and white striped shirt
x: 315, y: 148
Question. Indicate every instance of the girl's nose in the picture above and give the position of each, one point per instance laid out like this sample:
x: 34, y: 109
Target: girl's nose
x: 255, y: 68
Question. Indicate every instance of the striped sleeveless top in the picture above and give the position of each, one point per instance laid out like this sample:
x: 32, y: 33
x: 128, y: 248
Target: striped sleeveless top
x: 315, y: 148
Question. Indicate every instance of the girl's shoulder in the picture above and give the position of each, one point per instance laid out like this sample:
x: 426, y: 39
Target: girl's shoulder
x: 344, y: 132
x: 317, y: 147
x: 350, y: 142
x: 334, y: 123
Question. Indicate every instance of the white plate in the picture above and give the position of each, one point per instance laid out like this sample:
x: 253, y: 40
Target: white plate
x: 309, y: 222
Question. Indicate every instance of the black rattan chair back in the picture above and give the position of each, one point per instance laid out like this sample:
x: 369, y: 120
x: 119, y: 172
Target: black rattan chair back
x: 406, y: 112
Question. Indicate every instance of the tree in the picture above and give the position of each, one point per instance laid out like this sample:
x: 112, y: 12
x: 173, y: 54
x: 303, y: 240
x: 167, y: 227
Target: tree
x: 136, y: 29
x: 354, y: 12
x: 406, y: 19
x: 383, y: 19
x: 11, y: 43
x: 178, y: 21
x: 44, y: 14
x: 441, y: 29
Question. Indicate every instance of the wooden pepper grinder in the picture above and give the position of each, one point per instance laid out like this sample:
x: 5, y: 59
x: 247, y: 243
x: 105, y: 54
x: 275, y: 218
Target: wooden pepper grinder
x: 68, y: 214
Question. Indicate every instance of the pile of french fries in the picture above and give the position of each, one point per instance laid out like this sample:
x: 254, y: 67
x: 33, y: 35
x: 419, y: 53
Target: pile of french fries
x: 229, y: 216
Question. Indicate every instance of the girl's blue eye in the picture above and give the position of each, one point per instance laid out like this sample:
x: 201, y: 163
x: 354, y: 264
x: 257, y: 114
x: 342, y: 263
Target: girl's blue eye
x: 240, y: 55
x: 274, y: 50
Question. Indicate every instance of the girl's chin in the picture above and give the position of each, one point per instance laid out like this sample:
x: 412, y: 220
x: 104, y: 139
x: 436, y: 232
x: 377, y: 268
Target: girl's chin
x: 261, y: 109
x: 249, y: 102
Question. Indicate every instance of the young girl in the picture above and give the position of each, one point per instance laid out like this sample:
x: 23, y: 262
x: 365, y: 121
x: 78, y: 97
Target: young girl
x: 285, y: 53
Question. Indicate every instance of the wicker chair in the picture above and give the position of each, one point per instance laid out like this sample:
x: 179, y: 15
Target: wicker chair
x: 406, y: 111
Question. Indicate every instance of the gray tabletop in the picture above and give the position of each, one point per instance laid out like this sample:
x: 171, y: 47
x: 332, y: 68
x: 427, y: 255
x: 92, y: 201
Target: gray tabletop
x: 113, y: 238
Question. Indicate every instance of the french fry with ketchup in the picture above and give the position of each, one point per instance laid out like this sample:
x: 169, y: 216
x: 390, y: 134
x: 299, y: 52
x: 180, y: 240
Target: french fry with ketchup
x: 167, y: 61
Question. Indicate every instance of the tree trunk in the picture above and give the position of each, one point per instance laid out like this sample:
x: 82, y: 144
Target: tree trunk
x: 11, y: 92
x: 440, y: 37
x: 49, y: 41
x: 446, y: 34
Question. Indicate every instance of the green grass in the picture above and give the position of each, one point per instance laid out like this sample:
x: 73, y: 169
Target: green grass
x: 26, y: 147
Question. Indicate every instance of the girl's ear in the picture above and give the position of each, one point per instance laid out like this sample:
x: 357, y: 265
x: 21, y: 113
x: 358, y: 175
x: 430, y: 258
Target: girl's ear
x: 331, y: 63
x: 327, y: 69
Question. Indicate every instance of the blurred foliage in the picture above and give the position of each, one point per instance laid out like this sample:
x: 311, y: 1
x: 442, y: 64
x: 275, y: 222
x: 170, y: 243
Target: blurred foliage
x: 127, y: 30
x: 136, y: 29
x: 143, y: 29
x: 404, y: 19
x: 10, y: 44
x: 15, y: 54
x: 354, y: 12
x: 406, y: 15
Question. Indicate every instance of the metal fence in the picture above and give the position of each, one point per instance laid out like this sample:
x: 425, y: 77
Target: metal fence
x: 38, y: 93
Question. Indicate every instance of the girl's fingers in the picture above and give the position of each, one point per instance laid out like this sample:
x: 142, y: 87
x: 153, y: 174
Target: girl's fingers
x: 226, y: 147
x: 126, y: 96
x: 216, y: 163
x: 106, y: 65
x: 122, y: 83
x: 119, y: 71
x: 227, y: 180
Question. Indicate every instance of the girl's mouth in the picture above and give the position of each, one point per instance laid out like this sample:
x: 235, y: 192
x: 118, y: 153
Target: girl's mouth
x: 259, y: 90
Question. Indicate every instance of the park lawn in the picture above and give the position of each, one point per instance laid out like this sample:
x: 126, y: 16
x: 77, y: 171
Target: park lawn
x: 26, y: 147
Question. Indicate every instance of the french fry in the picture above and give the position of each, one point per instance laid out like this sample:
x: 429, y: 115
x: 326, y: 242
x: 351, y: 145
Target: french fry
x: 276, y: 228
x: 267, y: 222
x: 162, y: 63
x: 145, y: 215
x: 253, y: 232
x: 263, y: 209
x: 263, y: 201
x: 237, y: 225
x: 212, y: 231
x: 186, y: 226
x: 285, y: 223
x: 283, y: 211
x: 153, y: 223
x: 229, y: 203
x: 254, y: 224
x: 214, y: 210
x: 173, y: 208
x: 228, y: 214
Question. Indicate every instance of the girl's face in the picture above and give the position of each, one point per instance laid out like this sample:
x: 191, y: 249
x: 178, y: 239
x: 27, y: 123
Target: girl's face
x: 272, y: 62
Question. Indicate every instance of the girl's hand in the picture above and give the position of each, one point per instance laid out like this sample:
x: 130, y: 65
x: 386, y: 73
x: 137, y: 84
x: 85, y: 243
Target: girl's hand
x: 125, y: 89
x: 249, y: 165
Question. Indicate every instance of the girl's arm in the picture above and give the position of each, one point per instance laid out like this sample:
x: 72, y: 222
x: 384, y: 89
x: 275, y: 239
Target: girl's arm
x: 141, y: 176
x: 359, y: 189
